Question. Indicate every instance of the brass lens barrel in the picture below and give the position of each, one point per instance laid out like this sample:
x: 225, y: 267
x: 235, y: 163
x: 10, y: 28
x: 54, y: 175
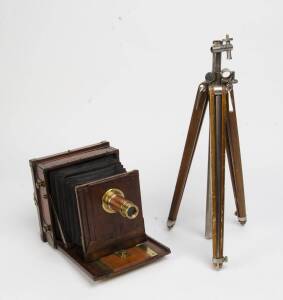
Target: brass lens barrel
x: 114, y: 201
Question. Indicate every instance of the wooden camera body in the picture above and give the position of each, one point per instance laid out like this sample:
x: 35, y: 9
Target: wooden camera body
x: 89, y: 207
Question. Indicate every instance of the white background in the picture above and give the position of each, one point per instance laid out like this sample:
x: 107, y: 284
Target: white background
x: 74, y: 73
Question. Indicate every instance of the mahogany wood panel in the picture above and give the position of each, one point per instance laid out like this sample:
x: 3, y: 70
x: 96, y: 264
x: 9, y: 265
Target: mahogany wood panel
x: 103, y: 232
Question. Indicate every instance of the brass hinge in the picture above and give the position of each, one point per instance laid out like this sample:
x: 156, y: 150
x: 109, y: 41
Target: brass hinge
x: 40, y: 183
x: 46, y: 228
x: 35, y: 200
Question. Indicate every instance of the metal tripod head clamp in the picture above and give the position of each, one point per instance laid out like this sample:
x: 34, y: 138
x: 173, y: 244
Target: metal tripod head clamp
x: 217, y: 75
x: 223, y: 45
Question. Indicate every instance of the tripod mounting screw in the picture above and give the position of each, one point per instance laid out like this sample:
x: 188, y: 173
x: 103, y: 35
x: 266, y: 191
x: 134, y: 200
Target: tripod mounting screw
x: 228, y: 44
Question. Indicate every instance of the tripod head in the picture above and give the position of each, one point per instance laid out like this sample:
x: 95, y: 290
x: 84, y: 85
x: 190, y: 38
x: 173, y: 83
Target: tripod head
x: 217, y: 75
x: 223, y: 45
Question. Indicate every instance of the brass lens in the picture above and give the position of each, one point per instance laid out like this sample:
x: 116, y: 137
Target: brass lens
x: 114, y: 201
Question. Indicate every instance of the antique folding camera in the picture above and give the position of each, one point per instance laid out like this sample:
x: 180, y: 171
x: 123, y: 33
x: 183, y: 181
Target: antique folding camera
x: 89, y: 207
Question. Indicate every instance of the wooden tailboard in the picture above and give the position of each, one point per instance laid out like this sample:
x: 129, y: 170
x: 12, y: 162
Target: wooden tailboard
x: 121, y: 261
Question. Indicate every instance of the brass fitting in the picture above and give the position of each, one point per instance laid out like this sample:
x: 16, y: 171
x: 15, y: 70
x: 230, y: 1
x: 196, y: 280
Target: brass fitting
x: 114, y: 201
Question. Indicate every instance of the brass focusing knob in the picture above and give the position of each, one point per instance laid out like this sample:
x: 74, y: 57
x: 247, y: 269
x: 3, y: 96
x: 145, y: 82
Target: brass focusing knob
x: 114, y: 201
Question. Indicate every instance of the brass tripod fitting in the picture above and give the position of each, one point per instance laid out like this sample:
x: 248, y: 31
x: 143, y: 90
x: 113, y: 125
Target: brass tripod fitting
x: 218, y: 262
x: 114, y: 201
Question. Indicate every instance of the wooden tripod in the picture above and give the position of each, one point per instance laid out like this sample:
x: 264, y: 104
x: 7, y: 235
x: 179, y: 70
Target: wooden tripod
x: 223, y: 135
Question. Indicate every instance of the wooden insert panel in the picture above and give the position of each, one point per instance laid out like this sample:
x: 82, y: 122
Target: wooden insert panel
x: 102, y: 232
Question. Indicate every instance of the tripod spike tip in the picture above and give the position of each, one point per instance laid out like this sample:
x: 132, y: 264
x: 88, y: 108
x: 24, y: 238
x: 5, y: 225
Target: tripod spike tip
x: 242, y: 221
x: 170, y: 223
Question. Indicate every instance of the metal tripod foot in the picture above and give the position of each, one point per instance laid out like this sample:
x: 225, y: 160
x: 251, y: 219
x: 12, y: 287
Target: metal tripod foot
x: 242, y: 220
x: 218, y: 262
x: 208, y: 236
x: 170, y: 223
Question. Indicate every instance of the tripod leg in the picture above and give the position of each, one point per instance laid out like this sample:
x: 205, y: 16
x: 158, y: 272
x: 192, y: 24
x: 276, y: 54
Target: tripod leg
x: 208, y: 216
x: 235, y: 164
x: 190, y: 145
x: 218, y: 112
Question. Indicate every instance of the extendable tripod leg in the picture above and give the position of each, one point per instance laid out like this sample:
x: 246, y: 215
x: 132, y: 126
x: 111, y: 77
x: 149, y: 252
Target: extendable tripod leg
x: 190, y: 145
x: 208, y: 215
x: 234, y: 159
x: 218, y: 113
